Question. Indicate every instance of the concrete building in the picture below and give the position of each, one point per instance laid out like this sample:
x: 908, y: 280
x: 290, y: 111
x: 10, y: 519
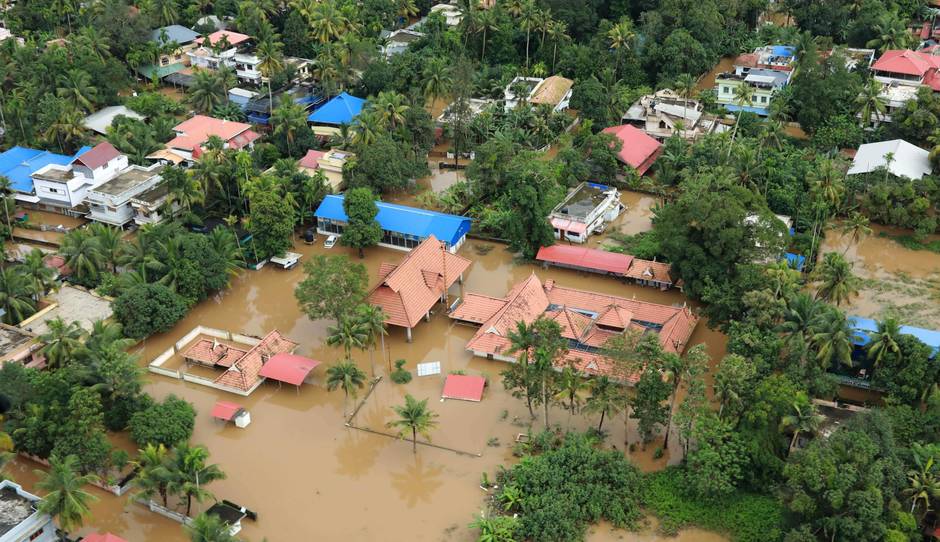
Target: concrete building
x: 397, y: 42
x: 588, y: 208
x: 150, y: 207
x: 554, y: 91
x: 230, y: 49
x: 764, y: 83
x: 330, y: 162
x: 19, y: 346
x: 193, y: 133
x: 62, y: 188
x: 110, y: 202
x: 20, y: 521
x: 665, y: 113
x: 176, y: 41
x: 19, y: 163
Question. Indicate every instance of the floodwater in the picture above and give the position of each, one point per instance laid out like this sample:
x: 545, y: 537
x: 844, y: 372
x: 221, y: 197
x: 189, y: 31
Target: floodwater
x: 895, y: 279
x: 606, y: 533
x: 52, y: 238
x: 305, y: 473
x: 707, y: 81
x: 637, y: 218
x: 54, y: 219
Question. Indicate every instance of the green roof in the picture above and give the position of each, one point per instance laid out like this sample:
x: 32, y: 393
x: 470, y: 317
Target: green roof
x: 161, y: 71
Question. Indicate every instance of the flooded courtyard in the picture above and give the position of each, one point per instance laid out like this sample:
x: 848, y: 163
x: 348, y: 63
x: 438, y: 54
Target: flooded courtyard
x: 304, y: 472
x: 895, y: 280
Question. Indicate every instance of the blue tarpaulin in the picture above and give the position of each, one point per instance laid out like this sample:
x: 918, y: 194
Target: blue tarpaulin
x: 419, y: 223
x: 795, y: 261
x: 18, y: 163
x: 342, y: 109
x: 864, y: 327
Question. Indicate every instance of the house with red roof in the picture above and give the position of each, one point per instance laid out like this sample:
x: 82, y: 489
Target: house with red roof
x: 407, y: 292
x: 192, y: 135
x: 62, y: 188
x: 587, y: 320
x: 592, y: 260
x: 902, y: 73
x: 330, y: 163
x: 637, y: 150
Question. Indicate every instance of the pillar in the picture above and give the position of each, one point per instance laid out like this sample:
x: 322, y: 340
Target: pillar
x: 408, y: 333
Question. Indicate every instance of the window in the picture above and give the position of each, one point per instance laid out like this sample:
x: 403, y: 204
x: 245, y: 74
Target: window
x: 54, y: 190
x: 35, y: 535
x: 763, y: 99
x: 726, y: 90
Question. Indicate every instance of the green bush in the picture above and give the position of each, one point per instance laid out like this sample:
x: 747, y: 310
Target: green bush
x: 745, y: 517
x: 147, y: 309
x: 167, y: 423
x: 400, y: 375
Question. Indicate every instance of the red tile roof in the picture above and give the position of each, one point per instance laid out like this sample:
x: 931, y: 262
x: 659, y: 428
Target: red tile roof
x: 224, y: 410
x: 311, y: 160
x: 289, y: 368
x: 586, y: 258
x: 589, y: 318
x: 639, y: 150
x: 99, y: 155
x: 244, y: 374
x: 647, y: 270
x: 464, y: 387
x: 906, y: 62
x: 234, y: 38
x: 213, y: 353
x: 193, y: 133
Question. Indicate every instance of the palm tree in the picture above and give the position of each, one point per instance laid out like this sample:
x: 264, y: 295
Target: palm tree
x: 570, y: 384
x: 16, y: 295
x: 6, y: 189
x: 226, y: 246
x: 272, y: 62
x: 75, y: 87
x: 857, y: 224
x: 871, y: 106
x: 885, y: 340
x: 206, y: 528
x: 605, y: 399
x: 685, y: 86
x: 742, y: 97
x: 66, y: 129
x: 193, y: 473
x: 437, y: 80
x: 838, y: 284
x: 620, y: 38
x: 205, y: 93
x: 368, y: 128
x: 416, y: 416
x: 832, y: 338
x: 61, y: 341
x: 348, y: 333
x: 679, y: 369
x: 327, y: 21
x: 345, y: 375
x: 923, y: 483
x: 558, y: 30
x: 486, y: 22
x: 186, y: 191
x: 38, y: 273
x: 289, y: 119
x: 802, y: 420
x: 890, y: 33
x: 108, y: 239
x: 527, y: 22
x: 371, y: 320
x: 391, y: 108
x: 522, y: 341
x: 66, y: 499
x: 155, y: 473
x: 105, y: 335
x: 799, y: 320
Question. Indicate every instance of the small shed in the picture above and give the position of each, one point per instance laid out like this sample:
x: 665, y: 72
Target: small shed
x: 231, y: 412
x: 464, y: 387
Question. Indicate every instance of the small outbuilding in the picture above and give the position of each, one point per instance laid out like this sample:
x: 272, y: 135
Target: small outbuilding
x: 899, y: 157
x: 464, y: 387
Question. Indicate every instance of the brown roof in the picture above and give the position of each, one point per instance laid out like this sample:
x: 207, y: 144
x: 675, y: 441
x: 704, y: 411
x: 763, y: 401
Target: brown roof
x: 551, y: 90
x: 243, y: 374
x: 647, y: 270
x: 214, y: 353
x: 408, y: 291
x: 99, y: 155
x: 589, y: 318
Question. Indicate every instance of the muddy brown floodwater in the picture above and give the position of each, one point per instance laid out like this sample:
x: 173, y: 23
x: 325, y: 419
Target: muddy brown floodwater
x: 307, y: 475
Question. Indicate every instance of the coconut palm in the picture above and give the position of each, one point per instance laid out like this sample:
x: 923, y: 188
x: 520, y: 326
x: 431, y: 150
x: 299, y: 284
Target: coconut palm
x: 678, y: 369
x: 416, y: 417
x: 66, y: 499
x: 605, y: 399
x: 41, y: 276
x: 858, y: 225
x: 803, y: 419
x: 569, y: 385
x: 368, y: 128
x: 557, y: 31
x: 193, y: 473
x: 155, y: 473
x: 106, y: 335
x: 66, y: 129
x: 685, y: 86
x: 62, y: 340
x: 871, y: 106
x: 16, y: 295
x: 289, y: 119
x: 798, y: 321
x: 485, y: 22
x: 108, y: 240
x: 742, y: 97
x: 272, y: 62
x: 527, y: 21
x: 437, y: 80
x: 348, y: 333
x: 185, y: 190
x: 371, y: 320
x: 74, y: 86
x: 327, y: 22
x: 890, y: 33
x: 832, y: 339
x: 522, y: 341
x: 225, y: 244
x: 923, y: 483
x: 209, y: 528
x: 837, y: 283
x: 6, y: 189
x: 391, y: 109
x: 205, y: 93
x: 620, y: 38
x: 885, y: 340
x: 345, y: 375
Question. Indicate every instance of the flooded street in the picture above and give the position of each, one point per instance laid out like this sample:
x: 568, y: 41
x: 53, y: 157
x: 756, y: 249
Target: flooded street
x: 304, y: 472
x: 895, y: 279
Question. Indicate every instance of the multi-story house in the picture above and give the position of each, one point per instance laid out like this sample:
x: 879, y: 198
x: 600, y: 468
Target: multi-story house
x: 62, y: 188
x: 110, y: 202
x: 20, y: 519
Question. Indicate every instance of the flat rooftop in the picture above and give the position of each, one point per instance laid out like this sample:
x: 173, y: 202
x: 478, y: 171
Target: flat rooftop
x: 580, y: 203
x: 12, y: 338
x: 72, y: 305
x: 153, y: 195
x: 126, y: 180
x: 56, y: 175
x: 14, y: 509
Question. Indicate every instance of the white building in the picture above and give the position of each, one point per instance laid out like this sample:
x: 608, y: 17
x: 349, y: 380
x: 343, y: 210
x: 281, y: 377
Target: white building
x: 221, y: 49
x: 19, y: 519
x: 150, y: 206
x: 111, y: 202
x: 248, y: 68
x: 63, y: 187
x: 587, y: 209
x: 663, y: 113
x: 554, y: 91
x: 906, y: 160
x: 451, y: 13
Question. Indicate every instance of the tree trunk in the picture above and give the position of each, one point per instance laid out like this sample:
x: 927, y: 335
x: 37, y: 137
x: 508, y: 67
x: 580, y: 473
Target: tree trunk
x: 361, y: 253
x: 345, y: 401
x: 372, y: 358
x: 672, y: 408
x: 527, y: 50
x: 189, y: 504
x: 601, y: 423
x: 554, y: 54
x: 414, y: 439
x: 796, y: 435
x: 483, y: 54
x: 545, y: 399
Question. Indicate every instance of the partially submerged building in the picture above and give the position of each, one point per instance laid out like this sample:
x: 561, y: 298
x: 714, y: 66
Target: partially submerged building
x: 63, y: 188
x: 193, y: 133
x: 403, y: 228
x: 341, y: 110
x: 587, y: 319
x: 19, y: 346
x: 19, y: 163
x: 407, y: 292
x: 592, y: 260
x: 637, y: 150
x: 330, y: 163
x: 20, y: 519
x: 553, y: 92
x: 587, y: 209
x: 110, y: 202
x: 664, y: 114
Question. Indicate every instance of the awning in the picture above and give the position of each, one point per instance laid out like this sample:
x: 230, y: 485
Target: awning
x: 569, y: 225
x: 224, y: 410
x: 464, y: 387
x: 289, y: 368
x: 28, y: 198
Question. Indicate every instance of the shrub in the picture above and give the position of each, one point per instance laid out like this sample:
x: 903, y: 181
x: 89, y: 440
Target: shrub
x: 167, y: 423
x: 400, y: 375
x: 148, y: 308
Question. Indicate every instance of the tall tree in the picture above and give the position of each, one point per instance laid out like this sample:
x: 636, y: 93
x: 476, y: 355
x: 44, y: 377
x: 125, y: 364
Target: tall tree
x: 415, y: 416
x: 333, y: 287
x: 837, y: 283
x: 372, y: 320
x: 362, y: 229
x: 604, y: 399
x: 348, y: 376
x: 62, y: 340
x: 193, y: 474
x: 66, y: 499
x: 649, y: 405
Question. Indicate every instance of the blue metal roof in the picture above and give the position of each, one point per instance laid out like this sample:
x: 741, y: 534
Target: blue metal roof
x: 762, y: 111
x: 783, y: 50
x: 864, y: 326
x: 18, y: 163
x: 178, y: 33
x: 420, y: 223
x: 342, y: 109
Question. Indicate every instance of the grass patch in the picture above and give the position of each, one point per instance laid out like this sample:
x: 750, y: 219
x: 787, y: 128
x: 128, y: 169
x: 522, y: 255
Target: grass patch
x: 911, y: 243
x: 744, y: 517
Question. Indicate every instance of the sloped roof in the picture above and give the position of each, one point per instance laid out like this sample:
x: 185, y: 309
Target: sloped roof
x: 908, y: 160
x: 234, y: 38
x: 99, y: 155
x: 178, y: 33
x: 477, y: 308
x: 907, y: 62
x: 194, y: 132
x: 407, y: 292
x: 19, y: 163
x: 289, y: 368
x: 649, y: 270
x: 311, y: 160
x: 342, y: 109
x: 551, y: 90
x: 639, y: 150
x: 420, y: 223
x: 586, y: 258
x: 101, y: 120
x: 244, y: 374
